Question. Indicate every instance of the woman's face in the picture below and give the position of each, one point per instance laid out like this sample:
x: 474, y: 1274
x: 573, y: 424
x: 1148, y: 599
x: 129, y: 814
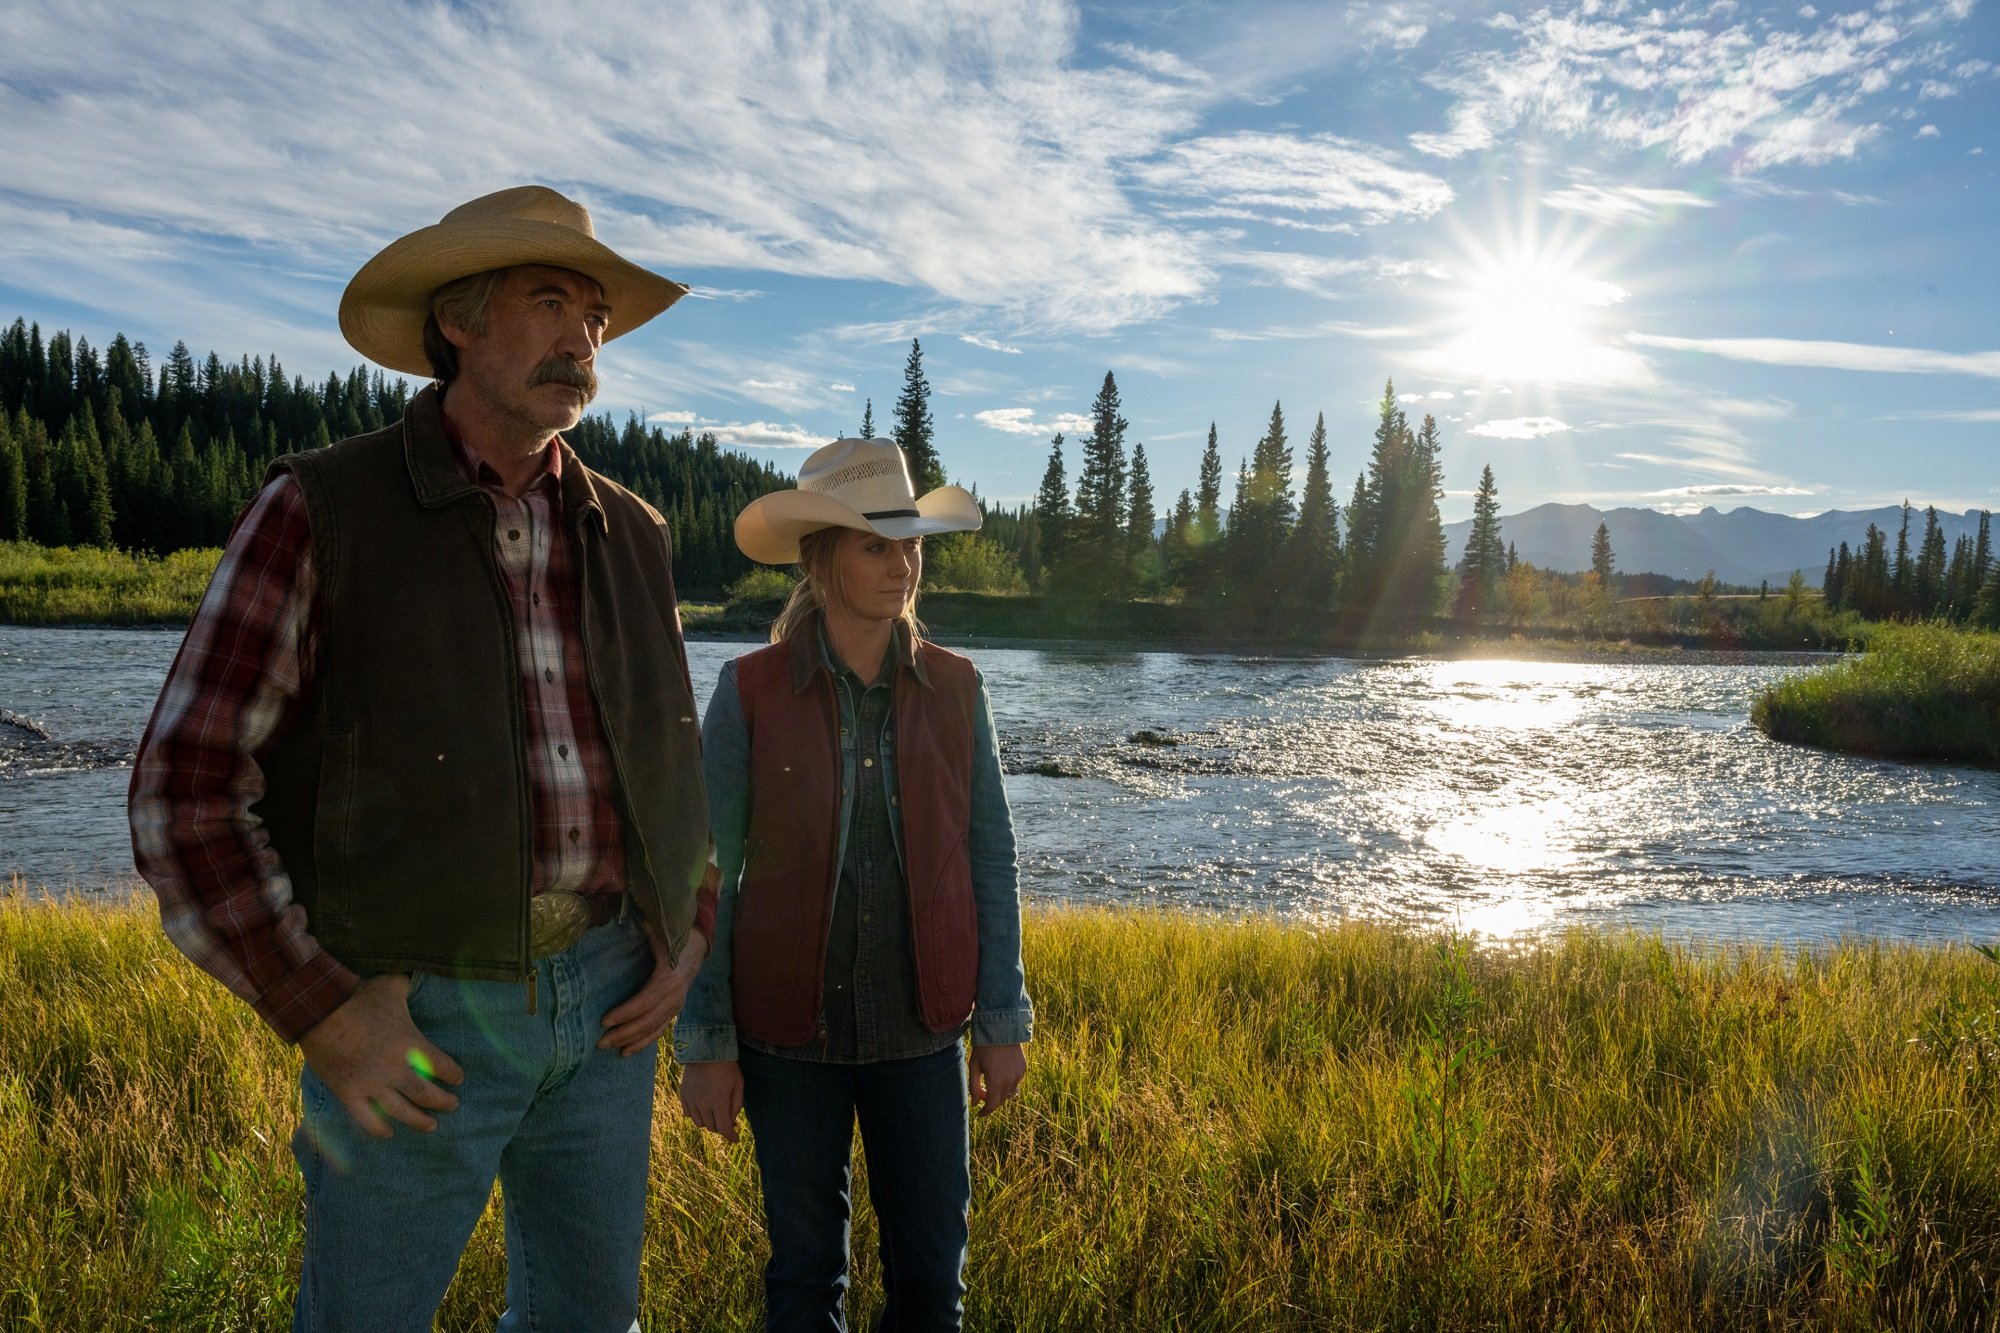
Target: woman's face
x: 878, y: 575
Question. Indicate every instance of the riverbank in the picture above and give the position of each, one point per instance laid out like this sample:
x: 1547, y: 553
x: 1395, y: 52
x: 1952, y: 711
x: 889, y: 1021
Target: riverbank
x: 1225, y: 1126
x: 1924, y: 692
x: 86, y: 586
x: 41, y: 585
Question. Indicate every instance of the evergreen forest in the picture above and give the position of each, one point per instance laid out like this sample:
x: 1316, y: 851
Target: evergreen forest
x: 107, y: 450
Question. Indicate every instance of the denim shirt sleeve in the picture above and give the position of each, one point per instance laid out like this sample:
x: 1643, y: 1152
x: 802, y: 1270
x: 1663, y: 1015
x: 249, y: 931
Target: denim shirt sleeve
x: 1002, y: 1013
x: 706, y: 1029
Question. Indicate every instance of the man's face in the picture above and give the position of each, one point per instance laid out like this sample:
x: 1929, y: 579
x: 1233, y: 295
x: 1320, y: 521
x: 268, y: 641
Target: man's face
x: 535, y: 364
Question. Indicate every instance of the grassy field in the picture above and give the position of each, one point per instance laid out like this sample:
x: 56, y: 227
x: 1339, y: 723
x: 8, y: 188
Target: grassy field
x: 1919, y: 692
x: 1226, y: 1126
x: 61, y: 585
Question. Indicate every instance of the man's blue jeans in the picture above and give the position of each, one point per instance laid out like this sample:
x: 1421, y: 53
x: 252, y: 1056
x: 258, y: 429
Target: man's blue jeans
x: 565, y: 1127
x: 913, y: 1128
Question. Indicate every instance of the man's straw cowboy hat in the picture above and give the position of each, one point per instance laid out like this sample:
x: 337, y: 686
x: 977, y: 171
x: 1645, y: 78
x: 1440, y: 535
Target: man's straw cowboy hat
x: 863, y: 484
x: 384, y: 308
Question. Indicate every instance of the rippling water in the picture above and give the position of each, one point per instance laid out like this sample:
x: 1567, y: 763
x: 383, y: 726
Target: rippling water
x: 1503, y: 797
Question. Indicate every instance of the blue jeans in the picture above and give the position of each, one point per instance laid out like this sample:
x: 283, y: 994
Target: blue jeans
x: 914, y: 1130
x: 565, y: 1127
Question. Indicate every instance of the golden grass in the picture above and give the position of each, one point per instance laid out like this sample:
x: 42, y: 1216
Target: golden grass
x: 1226, y: 1126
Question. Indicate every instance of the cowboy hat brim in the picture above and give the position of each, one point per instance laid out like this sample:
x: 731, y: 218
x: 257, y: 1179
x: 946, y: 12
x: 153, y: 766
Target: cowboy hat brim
x: 382, y: 313
x: 769, y: 528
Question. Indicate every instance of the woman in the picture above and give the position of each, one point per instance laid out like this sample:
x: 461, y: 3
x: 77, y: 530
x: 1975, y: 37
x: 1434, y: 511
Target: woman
x: 869, y: 911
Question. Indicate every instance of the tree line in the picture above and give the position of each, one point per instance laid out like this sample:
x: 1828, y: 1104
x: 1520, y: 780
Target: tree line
x: 105, y: 450
x: 1924, y: 585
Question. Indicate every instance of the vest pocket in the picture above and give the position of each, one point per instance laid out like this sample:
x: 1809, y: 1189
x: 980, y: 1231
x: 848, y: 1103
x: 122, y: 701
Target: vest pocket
x: 332, y: 841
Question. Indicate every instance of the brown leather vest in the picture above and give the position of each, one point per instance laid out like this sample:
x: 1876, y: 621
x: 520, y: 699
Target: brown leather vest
x: 784, y: 906
x: 399, y: 804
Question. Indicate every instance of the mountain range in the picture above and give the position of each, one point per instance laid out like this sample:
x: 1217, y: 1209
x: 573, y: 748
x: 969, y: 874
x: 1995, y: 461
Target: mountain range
x: 1744, y: 546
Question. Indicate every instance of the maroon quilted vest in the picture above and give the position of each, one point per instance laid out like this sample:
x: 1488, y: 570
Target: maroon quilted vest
x: 784, y: 907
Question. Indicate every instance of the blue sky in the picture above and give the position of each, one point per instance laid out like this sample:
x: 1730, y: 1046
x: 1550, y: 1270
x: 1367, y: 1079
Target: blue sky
x: 1628, y: 254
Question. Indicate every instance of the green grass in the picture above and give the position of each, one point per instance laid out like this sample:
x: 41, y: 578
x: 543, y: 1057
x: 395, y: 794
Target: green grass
x: 1919, y: 692
x: 63, y: 585
x: 1226, y: 1126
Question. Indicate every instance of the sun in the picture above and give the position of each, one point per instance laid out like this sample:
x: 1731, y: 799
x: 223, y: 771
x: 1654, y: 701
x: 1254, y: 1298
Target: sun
x: 1535, y: 319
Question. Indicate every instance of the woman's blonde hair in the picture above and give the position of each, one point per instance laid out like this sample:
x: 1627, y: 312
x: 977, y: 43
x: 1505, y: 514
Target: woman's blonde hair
x: 819, y: 586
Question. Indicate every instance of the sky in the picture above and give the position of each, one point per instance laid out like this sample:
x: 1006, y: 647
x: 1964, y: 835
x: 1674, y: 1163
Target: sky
x: 1654, y: 255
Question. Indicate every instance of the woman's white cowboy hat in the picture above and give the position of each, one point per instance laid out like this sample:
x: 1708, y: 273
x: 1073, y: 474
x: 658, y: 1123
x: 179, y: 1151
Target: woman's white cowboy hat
x: 384, y: 308
x: 862, y: 484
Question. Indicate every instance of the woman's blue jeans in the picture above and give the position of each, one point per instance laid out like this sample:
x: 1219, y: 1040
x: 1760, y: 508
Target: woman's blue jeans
x: 913, y: 1127
x: 565, y: 1127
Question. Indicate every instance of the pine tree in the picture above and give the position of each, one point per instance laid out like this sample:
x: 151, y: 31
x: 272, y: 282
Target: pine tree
x: 914, y: 431
x: 1903, y: 575
x: 1483, y: 566
x: 1260, y: 523
x: 1927, y: 588
x: 1602, y: 562
x: 1099, y: 535
x: 1142, y: 553
x: 1177, y: 547
x: 1054, y: 520
x: 1315, y: 559
x: 1208, y: 493
x: 13, y: 486
x: 868, y: 420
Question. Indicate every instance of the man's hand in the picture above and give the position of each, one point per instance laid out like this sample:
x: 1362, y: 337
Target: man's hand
x: 371, y: 1056
x: 997, y: 1072
x: 638, y: 1023
x: 712, y: 1095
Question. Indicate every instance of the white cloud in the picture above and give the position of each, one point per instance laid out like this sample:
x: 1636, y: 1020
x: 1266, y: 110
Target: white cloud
x: 1519, y: 428
x: 1760, y: 94
x: 839, y: 386
x: 1022, y: 421
x: 1164, y: 63
x: 675, y: 418
x: 1275, y: 175
x: 733, y: 294
x: 1617, y: 204
x: 763, y: 435
x: 1832, y: 355
x: 1732, y: 488
x: 1929, y: 132
x: 897, y: 152
x: 988, y: 344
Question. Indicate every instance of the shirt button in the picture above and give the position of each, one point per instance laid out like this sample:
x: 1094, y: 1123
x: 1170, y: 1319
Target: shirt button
x: 536, y: 597
x: 562, y: 751
x: 513, y: 534
x: 868, y: 763
x: 549, y: 674
x: 575, y: 835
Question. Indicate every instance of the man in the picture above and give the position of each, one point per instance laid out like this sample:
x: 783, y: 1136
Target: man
x: 424, y: 787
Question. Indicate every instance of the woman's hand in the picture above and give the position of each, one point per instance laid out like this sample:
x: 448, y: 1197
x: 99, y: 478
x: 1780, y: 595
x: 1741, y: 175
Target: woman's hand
x: 997, y: 1072
x: 712, y: 1095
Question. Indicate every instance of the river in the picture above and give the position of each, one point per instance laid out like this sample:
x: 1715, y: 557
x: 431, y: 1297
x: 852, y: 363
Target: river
x: 1507, y: 798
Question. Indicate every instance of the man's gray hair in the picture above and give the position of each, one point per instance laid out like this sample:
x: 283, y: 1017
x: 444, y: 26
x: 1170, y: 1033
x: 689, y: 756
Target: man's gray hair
x: 464, y: 303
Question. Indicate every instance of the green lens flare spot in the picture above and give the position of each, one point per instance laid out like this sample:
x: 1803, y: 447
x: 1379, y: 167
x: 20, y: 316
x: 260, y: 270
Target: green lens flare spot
x: 421, y: 1063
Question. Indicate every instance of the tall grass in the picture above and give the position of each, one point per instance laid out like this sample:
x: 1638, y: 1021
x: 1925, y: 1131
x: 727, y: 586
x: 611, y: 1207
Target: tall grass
x: 61, y: 585
x: 1226, y: 1126
x: 1919, y: 692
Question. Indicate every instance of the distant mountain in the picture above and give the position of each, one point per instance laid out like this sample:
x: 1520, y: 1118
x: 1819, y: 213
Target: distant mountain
x: 1744, y: 546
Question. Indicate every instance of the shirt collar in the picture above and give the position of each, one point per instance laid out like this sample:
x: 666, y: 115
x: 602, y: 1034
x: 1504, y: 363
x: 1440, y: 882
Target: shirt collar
x: 481, y: 473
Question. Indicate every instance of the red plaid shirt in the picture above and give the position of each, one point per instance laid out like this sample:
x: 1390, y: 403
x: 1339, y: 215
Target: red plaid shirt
x: 239, y: 681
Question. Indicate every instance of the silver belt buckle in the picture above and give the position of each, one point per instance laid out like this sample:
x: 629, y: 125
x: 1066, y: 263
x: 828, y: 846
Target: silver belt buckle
x: 556, y: 920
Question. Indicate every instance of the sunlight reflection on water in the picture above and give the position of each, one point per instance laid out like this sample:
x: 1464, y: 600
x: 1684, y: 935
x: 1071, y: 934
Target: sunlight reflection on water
x: 1503, y: 797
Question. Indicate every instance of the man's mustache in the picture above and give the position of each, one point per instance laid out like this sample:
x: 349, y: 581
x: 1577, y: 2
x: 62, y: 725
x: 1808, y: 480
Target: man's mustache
x: 562, y: 370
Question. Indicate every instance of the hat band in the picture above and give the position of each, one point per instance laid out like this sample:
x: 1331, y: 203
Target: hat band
x: 892, y: 513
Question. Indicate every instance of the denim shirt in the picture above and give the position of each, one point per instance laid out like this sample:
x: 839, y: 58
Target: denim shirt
x: 1002, y: 1013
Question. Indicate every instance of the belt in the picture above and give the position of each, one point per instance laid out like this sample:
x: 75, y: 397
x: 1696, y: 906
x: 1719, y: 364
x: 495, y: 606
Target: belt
x: 557, y: 919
